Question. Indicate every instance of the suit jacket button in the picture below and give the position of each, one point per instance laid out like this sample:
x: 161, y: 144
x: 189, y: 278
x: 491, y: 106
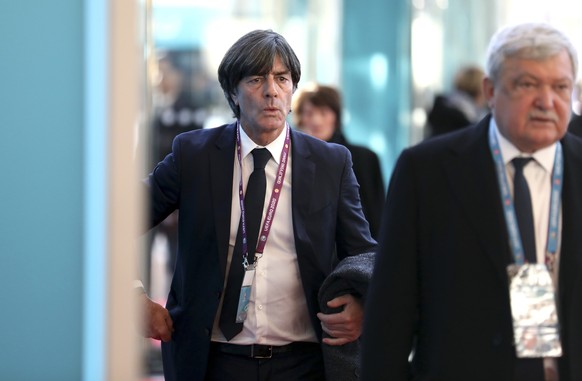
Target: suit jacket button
x: 497, y: 340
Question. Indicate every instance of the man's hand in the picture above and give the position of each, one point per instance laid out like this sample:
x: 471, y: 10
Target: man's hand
x: 346, y: 326
x: 157, y: 321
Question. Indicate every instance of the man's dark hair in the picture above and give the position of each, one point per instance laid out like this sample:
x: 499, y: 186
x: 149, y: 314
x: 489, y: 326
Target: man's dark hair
x: 254, y: 54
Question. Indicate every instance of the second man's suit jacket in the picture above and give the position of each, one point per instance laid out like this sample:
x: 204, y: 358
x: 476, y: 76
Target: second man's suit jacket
x: 575, y: 126
x: 440, y: 280
x: 197, y: 179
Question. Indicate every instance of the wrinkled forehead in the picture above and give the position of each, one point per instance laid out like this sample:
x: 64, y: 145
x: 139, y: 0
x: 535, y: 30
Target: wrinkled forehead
x: 562, y: 65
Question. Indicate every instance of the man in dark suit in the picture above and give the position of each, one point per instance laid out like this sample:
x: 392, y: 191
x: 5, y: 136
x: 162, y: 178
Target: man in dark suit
x: 311, y: 212
x: 439, y: 306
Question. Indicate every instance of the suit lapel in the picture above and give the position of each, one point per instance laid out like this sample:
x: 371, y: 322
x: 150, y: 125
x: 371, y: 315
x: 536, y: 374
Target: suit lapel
x: 221, y: 177
x: 302, y: 184
x: 472, y: 178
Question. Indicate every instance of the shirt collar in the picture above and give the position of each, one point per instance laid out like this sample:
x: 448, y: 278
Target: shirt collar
x: 544, y: 157
x: 275, y: 147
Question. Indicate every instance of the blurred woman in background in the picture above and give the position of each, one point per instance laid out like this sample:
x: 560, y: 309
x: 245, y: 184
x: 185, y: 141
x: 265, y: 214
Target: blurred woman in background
x: 318, y: 112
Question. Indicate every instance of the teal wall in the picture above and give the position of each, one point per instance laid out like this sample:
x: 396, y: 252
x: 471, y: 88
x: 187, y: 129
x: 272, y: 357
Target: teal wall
x: 41, y: 190
x: 376, y: 76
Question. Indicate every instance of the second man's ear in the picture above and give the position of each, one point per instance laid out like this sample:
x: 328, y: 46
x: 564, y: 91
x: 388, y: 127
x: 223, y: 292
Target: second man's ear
x: 488, y: 89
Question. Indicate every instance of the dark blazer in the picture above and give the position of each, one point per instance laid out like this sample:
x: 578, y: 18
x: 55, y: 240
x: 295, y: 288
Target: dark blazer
x: 445, y: 117
x: 197, y: 178
x: 440, y: 282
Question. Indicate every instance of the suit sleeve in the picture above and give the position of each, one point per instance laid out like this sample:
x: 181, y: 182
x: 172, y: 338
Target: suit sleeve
x: 391, y: 307
x: 377, y: 195
x: 163, y: 186
x: 353, y: 231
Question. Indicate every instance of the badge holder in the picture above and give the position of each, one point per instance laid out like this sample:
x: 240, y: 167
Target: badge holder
x: 245, y: 295
x: 533, y: 309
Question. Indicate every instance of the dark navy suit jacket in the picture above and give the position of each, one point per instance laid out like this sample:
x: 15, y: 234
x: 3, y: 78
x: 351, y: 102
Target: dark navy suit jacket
x: 441, y: 285
x: 197, y: 179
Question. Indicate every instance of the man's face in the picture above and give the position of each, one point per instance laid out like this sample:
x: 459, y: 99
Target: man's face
x: 265, y: 101
x: 531, y: 100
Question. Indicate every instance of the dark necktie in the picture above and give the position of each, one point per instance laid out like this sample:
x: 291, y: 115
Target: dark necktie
x: 523, y: 210
x: 254, y: 201
x: 526, y: 369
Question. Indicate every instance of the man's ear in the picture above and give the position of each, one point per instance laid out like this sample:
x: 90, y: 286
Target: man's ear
x: 234, y: 97
x: 489, y: 91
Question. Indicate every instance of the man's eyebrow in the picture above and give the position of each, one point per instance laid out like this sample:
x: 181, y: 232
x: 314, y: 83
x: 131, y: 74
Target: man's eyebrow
x: 282, y: 72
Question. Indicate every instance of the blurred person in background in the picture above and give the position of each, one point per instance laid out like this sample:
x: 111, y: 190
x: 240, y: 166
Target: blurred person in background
x: 318, y: 112
x: 460, y: 221
x: 463, y: 106
x: 241, y: 307
x: 175, y: 111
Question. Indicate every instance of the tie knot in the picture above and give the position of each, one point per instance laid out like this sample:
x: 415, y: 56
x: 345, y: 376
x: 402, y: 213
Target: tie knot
x: 261, y: 156
x: 520, y: 162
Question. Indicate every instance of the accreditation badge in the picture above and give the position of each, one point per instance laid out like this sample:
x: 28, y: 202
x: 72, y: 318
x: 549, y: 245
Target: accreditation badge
x: 533, y: 309
x: 245, y: 295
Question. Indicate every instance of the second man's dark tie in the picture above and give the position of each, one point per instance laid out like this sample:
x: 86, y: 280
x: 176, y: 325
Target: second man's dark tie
x: 523, y: 209
x: 526, y: 369
x: 254, y: 201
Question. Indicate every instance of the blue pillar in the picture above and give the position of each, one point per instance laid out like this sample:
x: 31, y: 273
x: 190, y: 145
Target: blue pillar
x: 376, y: 76
x: 45, y: 271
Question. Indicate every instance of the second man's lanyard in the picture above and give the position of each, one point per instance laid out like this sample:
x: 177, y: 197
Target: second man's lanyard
x: 509, y: 209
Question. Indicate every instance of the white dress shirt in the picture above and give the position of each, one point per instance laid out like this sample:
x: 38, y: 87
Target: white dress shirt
x: 538, y: 174
x: 278, y: 312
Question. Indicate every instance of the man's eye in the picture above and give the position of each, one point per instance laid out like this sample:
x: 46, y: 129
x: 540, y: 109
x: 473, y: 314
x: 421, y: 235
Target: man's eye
x: 562, y: 87
x: 526, y: 85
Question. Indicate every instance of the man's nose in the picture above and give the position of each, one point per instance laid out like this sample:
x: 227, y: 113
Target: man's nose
x: 271, y: 87
x: 545, y: 97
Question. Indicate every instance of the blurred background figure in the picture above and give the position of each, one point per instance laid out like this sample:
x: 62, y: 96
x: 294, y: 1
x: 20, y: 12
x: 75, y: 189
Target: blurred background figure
x: 174, y: 105
x: 175, y: 110
x: 318, y: 112
x: 463, y: 106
